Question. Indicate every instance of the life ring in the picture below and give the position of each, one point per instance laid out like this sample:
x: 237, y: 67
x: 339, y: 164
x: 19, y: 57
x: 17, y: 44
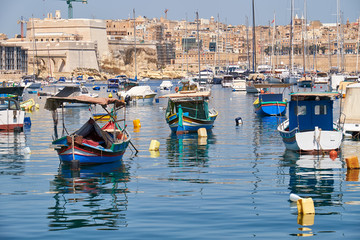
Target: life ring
x: 176, y: 89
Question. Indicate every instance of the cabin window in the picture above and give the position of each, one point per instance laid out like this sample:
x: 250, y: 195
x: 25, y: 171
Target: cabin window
x: 320, y: 110
x: 300, y: 110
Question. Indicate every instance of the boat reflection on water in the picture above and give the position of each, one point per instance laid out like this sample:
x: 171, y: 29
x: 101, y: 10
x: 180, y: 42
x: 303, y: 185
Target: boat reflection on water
x: 94, y: 196
x: 189, y: 155
x: 13, y: 153
x: 315, y: 176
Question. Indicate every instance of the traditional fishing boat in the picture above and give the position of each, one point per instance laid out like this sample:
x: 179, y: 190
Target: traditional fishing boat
x: 90, y: 144
x: 269, y: 103
x: 187, y: 111
x: 11, y: 115
x: 310, y: 127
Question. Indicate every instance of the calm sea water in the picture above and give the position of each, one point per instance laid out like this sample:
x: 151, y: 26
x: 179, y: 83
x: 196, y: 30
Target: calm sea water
x: 237, y: 185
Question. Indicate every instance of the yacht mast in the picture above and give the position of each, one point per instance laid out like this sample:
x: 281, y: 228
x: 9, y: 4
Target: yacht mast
x: 273, y: 46
x: 247, y: 42
x: 198, y: 39
x: 305, y: 36
x: 358, y: 47
x: 254, y: 40
x: 291, y: 38
x: 135, y: 46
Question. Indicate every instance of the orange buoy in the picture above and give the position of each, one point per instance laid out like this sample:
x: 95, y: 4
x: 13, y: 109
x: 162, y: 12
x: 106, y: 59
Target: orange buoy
x: 176, y: 89
x: 262, y: 91
x: 333, y: 154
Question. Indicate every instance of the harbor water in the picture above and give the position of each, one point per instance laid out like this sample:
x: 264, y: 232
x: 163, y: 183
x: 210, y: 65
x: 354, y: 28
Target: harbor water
x: 235, y: 185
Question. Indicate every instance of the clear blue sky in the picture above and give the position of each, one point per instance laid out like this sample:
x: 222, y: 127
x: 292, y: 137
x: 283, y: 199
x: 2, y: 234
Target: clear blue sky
x: 230, y: 11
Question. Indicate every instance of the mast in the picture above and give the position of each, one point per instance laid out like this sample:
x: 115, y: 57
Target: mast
x: 254, y: 40
x: 358, y: 47
x: 329, y: 51
x: 34, y: 49
x: 217, y: 41
x: 135, y: 46
x: 291, y: 49
x: 305, y: 37
x: 273, y: 46
x: 187, y: 54
x: 198, y: 39
x: 247, y: 43
x: 338, y: 32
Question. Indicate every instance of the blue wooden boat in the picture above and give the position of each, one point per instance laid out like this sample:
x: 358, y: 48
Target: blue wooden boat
x: 269, y: 103
x: 310, y: 127
x: 188, y: 111
x: 90, y: 144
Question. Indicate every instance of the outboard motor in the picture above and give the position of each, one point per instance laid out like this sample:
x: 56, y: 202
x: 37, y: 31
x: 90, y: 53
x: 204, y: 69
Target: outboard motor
x: 127, y: 99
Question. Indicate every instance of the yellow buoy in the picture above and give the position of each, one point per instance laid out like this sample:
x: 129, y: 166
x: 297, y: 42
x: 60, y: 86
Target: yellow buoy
x: 352, y: 162
x: 154, y: 145
x: 202, y: 133
x: 305, y: 206
x: 110, y: 95
x: 136, y: 123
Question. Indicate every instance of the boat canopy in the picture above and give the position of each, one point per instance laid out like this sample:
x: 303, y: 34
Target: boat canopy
x: 186, y: 94
x: 69, y: 90
x: 274, y: 85
x: 313, y: 95
x: 275, y: 97
x: 52, y: 103
x: 351, y: 110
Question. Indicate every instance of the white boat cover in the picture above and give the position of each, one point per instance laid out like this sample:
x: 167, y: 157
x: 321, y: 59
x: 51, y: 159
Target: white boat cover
x: 351, y: 110
x: 138, y: 91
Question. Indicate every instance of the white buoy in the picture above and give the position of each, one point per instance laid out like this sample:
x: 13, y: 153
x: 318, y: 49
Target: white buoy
x: 26, y: 150
x: 294, y: 197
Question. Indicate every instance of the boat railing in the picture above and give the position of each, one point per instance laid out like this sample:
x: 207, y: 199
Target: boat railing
x: 341, y: 122
x: 282, y: 127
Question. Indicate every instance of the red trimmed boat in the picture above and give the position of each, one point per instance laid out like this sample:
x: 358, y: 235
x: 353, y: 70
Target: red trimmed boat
x: 91, y: 144
x: 11, y: 115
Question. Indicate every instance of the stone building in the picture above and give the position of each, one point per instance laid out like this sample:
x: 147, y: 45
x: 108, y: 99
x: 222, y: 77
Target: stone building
x: 13, y: 60
x: 59, y: 46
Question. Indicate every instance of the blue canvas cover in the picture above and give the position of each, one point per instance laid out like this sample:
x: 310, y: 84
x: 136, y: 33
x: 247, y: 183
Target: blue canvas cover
x: 273, y: 97
x: 310, y: 114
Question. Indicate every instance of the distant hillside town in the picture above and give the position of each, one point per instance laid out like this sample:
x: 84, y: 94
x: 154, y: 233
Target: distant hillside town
x: 165, y: 48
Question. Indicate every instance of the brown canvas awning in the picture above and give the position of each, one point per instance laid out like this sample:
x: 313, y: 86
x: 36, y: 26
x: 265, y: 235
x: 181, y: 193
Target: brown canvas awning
x: 52, y: 103
x: 186, y: 94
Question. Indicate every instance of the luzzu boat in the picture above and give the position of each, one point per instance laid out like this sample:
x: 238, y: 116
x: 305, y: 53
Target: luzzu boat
x: 90, y: 144
x: 310, y: 127
x: 188, y: 111
x: 269, y: 103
